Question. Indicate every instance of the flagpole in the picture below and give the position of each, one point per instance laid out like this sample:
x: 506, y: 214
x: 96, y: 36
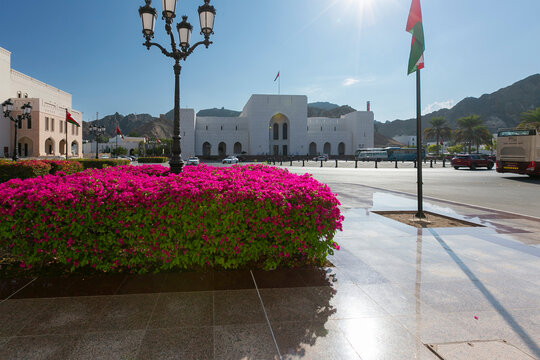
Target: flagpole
x: 116, y: 151
x: 420, y: 214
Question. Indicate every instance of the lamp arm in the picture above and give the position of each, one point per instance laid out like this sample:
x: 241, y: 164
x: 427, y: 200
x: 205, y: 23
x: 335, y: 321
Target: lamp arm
x: 149, y: 44
x: 205, y: 42
x: 169, y: 31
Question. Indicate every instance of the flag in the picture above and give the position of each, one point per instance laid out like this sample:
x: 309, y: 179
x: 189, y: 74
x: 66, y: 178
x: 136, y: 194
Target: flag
x: 276, y: 76
x: 71, y: 120
x: 415, y: 27
x: 118, y: 132
x: 158, y: 141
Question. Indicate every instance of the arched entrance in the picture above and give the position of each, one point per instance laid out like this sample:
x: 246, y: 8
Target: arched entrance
x: 222, y: 149
x: 62, y: 147
x: 49, y: 146
x: 312, y: 149
x: 206, y: 149
x: 341, y: 148
x: 327, y: 148
x: 26, y: 147
x: 74, y: 148
x: 237, y: 148
x: 279, y: 135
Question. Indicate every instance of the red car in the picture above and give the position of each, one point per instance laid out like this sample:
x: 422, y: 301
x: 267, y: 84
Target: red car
x: 472, y: 161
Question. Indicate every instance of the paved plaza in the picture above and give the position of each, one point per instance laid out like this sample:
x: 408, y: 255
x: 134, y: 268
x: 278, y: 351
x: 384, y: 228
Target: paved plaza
x: 394, y: 292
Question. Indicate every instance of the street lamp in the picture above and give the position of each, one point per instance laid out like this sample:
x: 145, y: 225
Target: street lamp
x: 97, y: 131
x: 7, y: 108
x: 148, y: 16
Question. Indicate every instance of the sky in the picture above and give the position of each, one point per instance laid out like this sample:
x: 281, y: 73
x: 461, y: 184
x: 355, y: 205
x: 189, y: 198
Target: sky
x: 346, y: 52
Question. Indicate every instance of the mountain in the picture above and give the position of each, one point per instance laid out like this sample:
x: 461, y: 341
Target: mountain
x: 334, y: 112
x: 323, y: 105
x: 219, y: 112
x: 127, y: 124
x: 501, y: 109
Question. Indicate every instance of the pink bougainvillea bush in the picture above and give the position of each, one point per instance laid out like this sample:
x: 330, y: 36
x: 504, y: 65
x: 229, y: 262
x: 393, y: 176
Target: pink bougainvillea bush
x: 145, y: 218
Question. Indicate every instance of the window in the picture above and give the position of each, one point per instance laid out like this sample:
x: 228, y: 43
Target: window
x: 321, y: 128
x: 236, y: 127
x: 19, y: 123
x: 29, y: 123
x: 285, y: 131
x: 221, y: 127
x: 47, y: 124
x: 334, y: 128
x: 60, y: 125
x: 25, y: 95
x: 206, y: 127
x: 72, y: 129
x: 19, y: 94
x: 77, y: 132
x: 52, y: 124
x: 276, y: 132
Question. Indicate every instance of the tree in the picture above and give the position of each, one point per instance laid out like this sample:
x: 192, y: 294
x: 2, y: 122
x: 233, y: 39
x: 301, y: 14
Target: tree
x: 455, y: 149
x: 466, y: 133
x: 120, y: 151
x: 439, y: 129
x: 530, y: 119
x: 482, y: 136
x: 433, y: 149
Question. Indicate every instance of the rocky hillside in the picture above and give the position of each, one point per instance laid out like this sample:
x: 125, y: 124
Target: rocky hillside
x: 500, y: 109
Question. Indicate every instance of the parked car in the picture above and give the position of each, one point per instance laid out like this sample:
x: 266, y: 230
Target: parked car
x: 193, y: 161
x: 472, y: 161
x: 323, y: 157
x: 230, y: 160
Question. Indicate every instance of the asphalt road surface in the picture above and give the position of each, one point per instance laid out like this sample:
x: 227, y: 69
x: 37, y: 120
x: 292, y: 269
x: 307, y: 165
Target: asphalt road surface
x: 486, y: 188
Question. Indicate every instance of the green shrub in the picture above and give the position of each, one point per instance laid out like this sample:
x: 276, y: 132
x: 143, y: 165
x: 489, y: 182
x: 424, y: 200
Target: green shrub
x: 23, y: 169
x: 143, y: 218
x: 66, y: 167
x: 153, y: 160
x: 101, y: 163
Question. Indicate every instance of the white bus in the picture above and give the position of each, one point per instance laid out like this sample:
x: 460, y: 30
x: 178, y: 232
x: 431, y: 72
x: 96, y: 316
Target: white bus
x: 518, y: 151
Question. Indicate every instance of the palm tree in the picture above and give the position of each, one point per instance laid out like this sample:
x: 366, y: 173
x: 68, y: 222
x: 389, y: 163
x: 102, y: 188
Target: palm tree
x: 530, y: 119
x: 482, y: 136
x: 465, y: 133
x: 438, y: 129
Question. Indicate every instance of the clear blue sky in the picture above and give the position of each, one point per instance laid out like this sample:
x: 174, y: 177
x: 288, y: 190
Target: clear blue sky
x: 342, y: 51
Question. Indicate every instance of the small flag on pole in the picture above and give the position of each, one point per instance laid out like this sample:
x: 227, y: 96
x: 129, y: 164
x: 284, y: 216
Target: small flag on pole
x: 118, y: 132
x: 415, y: 27
x: 71, y: 120
x: 158, y: 141
x: 276, y: 76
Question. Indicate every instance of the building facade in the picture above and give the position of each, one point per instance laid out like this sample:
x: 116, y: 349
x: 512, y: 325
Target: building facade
x: 275, y: 125
x: 47, y: 134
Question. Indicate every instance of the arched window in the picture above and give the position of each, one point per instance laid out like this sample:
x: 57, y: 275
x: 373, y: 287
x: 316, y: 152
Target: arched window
x: 237, y: 148
x: 312, y: 149
x: 327, y: 148
x: 222, y: 149
x: 206, y: 149
x: 74, y: 148
x: 276, y: 132
x: 341, y: 148
x: 285, y: 130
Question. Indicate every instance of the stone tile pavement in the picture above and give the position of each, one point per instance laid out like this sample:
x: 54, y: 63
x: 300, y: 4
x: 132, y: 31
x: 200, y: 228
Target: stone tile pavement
x: 395, y: 292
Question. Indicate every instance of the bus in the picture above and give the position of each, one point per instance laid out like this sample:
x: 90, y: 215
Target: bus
x: 403, y: 154
x: 389, y: 154
x: 518, y: 151
x: 370, y: 154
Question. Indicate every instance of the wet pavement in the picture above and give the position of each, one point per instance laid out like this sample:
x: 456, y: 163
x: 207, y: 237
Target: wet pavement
x: 394, y: 292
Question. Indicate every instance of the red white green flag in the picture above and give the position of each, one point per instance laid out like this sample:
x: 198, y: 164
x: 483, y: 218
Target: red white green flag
x: 70, y: 119
x: 414, y: 26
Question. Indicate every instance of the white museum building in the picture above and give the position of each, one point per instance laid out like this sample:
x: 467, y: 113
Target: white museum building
x: 275, y: 125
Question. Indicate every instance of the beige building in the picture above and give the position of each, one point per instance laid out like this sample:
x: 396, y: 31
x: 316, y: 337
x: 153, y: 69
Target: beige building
x: 45, y: 134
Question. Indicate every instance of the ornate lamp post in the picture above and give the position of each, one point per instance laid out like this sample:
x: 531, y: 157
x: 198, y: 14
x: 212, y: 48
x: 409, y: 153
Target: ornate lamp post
x: 97, y: 131
x: 148, y: 16
x: 7, y: 108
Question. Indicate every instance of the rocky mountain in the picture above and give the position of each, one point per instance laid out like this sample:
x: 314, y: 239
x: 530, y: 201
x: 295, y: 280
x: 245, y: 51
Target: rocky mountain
x: 334, y: 112
x: 323, y: 105
x: 501, y: 109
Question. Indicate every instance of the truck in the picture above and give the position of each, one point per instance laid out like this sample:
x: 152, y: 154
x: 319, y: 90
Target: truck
x: 518, y: 151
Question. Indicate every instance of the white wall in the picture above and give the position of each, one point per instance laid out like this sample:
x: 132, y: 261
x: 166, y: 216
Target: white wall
x: 5, y: 93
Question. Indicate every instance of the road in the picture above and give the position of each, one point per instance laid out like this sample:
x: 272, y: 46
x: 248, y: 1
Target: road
x: 486, y: 188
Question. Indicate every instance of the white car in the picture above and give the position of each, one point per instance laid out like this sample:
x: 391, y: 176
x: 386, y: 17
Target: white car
x: 193, y: 161
x: 321, y: 158
x: 230, y: 160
